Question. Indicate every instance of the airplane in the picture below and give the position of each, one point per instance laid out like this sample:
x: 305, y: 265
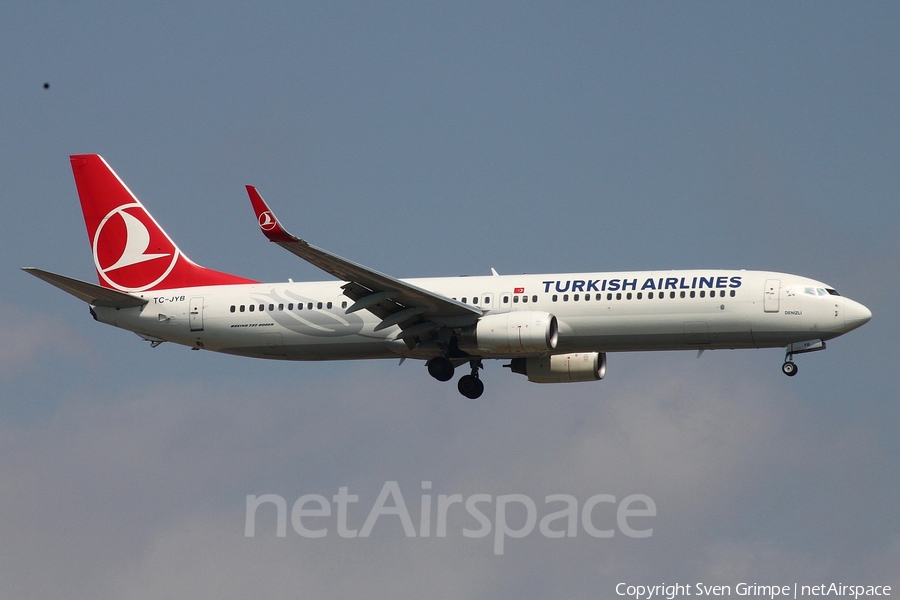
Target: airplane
x: 552, y: 328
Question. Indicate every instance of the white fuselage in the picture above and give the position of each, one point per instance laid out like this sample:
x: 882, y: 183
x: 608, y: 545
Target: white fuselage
x: 605, y: 312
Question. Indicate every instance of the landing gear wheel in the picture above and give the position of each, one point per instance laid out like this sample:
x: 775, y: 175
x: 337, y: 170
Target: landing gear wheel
x: 441, y: 368
x: 470, y: 387
x: 789, y: 368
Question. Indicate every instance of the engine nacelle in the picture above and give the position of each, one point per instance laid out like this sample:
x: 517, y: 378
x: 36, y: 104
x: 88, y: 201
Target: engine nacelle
x: 517, y: 332
x: 562, y: 368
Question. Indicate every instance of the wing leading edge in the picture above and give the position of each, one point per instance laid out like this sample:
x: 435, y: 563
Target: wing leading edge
x: 415, y: 310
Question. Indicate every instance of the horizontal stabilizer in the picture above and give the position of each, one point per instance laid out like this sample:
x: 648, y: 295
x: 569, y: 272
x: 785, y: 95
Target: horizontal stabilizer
x: 89, y: 292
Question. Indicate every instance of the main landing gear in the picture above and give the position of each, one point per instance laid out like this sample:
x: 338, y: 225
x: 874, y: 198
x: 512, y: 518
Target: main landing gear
x: 470, y: 386
x: 441, y: 368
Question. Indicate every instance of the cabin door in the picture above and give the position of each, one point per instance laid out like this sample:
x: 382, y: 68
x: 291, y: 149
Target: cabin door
x: 195, y: 313
x: 770, y: 302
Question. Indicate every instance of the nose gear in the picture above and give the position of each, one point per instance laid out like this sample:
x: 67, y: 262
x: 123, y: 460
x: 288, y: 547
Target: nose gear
x: 789, y: 368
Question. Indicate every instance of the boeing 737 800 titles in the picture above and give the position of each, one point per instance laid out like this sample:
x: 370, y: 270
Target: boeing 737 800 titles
x: 551, y: 328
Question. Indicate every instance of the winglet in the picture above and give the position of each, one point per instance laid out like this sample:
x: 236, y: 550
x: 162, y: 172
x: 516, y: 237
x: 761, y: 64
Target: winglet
x: 268, y: 222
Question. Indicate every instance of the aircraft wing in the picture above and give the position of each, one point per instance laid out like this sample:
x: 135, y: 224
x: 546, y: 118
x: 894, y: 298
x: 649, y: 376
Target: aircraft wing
x: 89, y: 292
x: 416, y: 310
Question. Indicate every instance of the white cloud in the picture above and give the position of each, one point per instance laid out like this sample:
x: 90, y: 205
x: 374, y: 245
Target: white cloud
x: 143, y: 496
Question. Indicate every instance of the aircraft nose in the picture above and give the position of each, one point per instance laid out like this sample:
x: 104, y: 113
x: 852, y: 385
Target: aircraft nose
x: 855, y: 315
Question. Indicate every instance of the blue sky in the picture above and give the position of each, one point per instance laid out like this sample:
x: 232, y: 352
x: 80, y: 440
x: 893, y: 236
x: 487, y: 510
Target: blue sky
x: 447, y: 139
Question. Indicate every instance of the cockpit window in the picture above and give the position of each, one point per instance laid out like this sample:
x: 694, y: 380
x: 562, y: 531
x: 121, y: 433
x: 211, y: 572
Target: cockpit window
x: 820, y: 292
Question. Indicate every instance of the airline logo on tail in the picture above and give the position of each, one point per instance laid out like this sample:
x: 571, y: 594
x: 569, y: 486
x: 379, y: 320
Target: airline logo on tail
x: 132, y: 253
x: 127, y: 237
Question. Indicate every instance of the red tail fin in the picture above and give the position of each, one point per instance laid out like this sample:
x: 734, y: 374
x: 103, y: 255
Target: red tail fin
x: 132, y: 253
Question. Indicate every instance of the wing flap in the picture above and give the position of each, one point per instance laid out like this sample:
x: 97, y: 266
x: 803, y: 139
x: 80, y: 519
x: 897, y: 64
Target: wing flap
x: 88, y: 292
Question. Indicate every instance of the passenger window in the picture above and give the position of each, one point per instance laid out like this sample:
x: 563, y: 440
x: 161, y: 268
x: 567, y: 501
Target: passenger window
x: 309, y: 305
x: 252, y: 307
x: 702, y: 294
x: 565, y: 297
x: 618, y: 295
x: 242, y: 308
x: 281, y: 307
x: 524, y: 298
x: 344, y: 304
x: 291, y: 306
x: 628, y: 296
x: 515, y: 299
x: 732, y: 293
x: 722, y: 293
x: 534, y: 298
x: 232, y: 308
x: 693, y: 293
x: 475, y: 300
x: 639, y: 295
x: 319, y: 305
x: 649, y: 295
x: 682, y: 294
x: 599, y: 297
x: 262, y: 307
x: 464, y: 298
x: 575, y: 297
x: 505, y: 299
x: 329, y: 305
x: 608, y: 296
x: 555, y: 297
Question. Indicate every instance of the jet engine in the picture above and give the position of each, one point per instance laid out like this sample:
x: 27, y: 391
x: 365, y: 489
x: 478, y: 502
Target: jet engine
x: 517, y: 332
x: 562, y: 368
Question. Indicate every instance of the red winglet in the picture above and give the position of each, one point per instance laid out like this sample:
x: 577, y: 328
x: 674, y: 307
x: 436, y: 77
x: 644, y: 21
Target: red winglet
x: 268, y: 222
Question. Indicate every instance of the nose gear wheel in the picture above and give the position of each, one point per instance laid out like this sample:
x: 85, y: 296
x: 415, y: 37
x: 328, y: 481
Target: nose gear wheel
x: 789, y: 368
